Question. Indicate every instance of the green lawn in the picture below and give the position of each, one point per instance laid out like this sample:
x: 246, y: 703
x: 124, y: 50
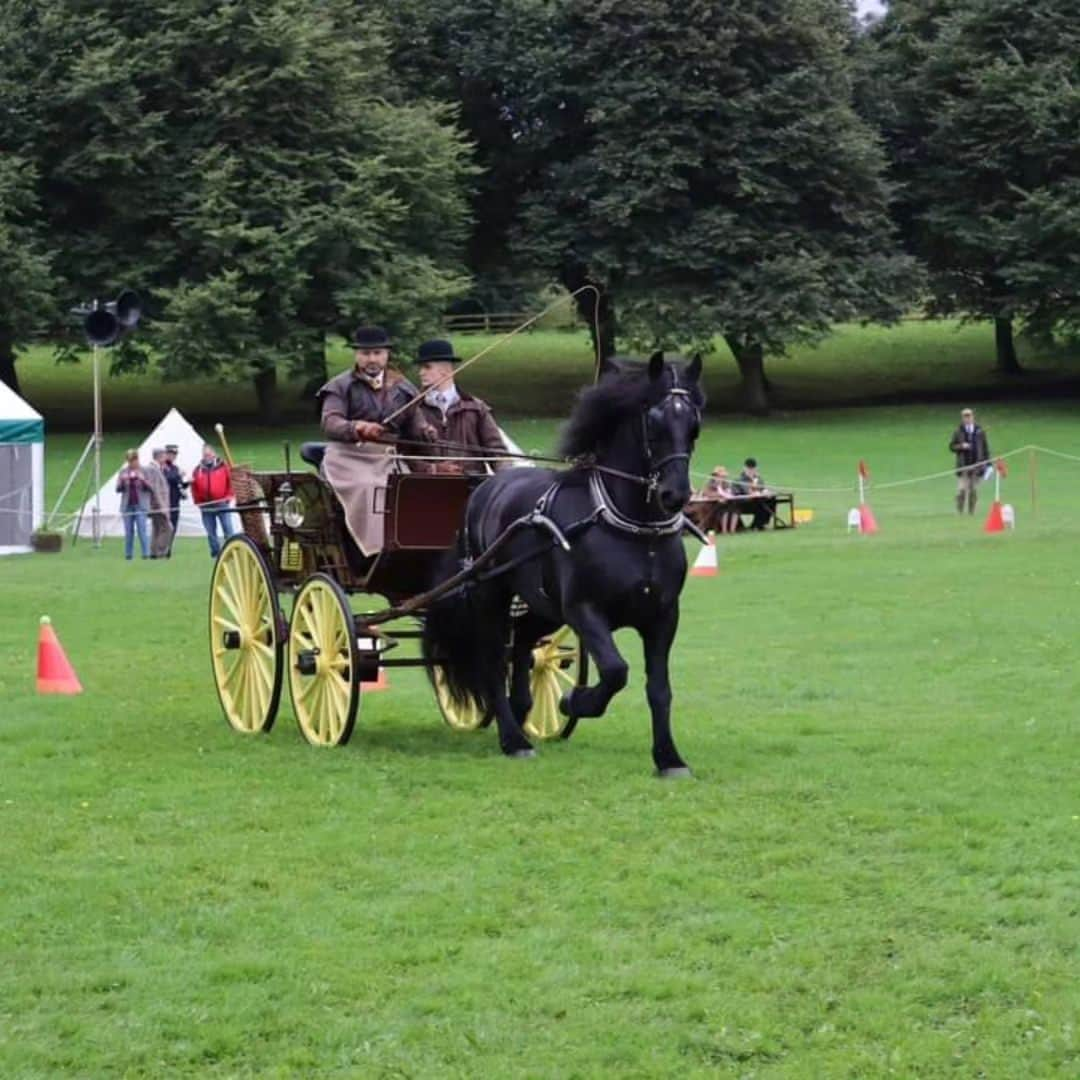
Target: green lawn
x: 874, y: 871
x: 537, y: 373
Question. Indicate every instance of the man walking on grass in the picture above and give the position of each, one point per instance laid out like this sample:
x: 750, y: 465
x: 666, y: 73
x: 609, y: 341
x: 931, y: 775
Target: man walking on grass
x: 972, y: 450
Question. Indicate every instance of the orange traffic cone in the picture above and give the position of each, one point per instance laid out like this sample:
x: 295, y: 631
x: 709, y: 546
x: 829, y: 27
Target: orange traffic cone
x: 381, y: 683
x: 55, y: 675
x: 995, y: 521
x: 867, y: 523
x: 706, y: 564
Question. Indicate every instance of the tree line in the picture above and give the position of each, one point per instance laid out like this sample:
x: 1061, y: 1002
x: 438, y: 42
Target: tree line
x: 270, y: 171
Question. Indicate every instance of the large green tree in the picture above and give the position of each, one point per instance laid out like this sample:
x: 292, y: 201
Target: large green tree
x: 980, y: 103
x: 253, y: 167
x: 27, y: 302
x: 700, y: 163
x: 26, y: 298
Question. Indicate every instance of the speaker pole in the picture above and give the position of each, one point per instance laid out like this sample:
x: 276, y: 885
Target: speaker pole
x: 97, y: 450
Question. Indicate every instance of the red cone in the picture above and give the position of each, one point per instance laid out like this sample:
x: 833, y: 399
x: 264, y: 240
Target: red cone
x: 994, y: 520
x: 867, y: 524
x: 55, y: 675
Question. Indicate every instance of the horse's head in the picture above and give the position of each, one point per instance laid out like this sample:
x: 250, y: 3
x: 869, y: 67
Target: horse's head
x: 671, y: 420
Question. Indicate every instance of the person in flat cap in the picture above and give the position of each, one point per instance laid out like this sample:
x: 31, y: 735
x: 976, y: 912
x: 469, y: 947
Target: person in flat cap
x: 463, y: 421
x: 161, y: 532
x: 174, y: 478
x: 359, y: 407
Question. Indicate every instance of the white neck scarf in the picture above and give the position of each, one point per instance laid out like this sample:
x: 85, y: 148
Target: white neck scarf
x: 444, y: 398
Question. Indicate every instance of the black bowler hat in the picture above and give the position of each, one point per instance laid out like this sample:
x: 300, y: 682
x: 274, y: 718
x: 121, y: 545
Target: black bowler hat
x: 436, y: 349
x: 371, y: 337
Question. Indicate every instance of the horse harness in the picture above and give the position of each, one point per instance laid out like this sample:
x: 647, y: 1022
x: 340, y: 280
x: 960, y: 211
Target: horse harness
x: 604, y: 508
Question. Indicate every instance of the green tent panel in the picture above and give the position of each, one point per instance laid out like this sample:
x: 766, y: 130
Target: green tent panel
x: 22, y: 431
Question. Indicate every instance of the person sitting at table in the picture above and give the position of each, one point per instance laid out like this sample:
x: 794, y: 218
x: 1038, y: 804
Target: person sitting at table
x: 711, y: 507
x: 760, y: 500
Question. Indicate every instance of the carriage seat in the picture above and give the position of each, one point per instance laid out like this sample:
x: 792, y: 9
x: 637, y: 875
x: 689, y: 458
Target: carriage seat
x: 312, y: 452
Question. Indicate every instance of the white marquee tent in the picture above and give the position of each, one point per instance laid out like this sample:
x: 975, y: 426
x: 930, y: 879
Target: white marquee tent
x: 22, y: 472
x: 173, y: 429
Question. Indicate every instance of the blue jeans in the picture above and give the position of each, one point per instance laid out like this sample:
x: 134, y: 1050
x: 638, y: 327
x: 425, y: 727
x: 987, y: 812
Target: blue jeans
x: 217, y: 516
x: 135, y: 519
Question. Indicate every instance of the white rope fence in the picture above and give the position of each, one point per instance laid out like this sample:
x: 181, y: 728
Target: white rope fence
x: 908, y: 481
x: 63, y: 521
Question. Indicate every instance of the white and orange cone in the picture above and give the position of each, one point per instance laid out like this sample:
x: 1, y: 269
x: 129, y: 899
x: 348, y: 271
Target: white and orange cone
x: 706, y: 563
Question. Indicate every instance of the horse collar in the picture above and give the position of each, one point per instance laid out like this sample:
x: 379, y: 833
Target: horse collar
x: 606, y: 510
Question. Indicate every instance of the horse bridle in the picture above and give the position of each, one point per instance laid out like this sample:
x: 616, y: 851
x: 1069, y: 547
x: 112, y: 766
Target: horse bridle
x: 651, y: 479
x: 606, y: 509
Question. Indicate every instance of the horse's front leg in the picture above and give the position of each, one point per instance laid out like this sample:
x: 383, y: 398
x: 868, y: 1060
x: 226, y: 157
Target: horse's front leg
x: 595, y: 634
x: 512, y: 740
x: 658, y: 638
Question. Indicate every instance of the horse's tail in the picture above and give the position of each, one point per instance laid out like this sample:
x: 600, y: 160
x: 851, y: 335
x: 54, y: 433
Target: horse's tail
x: 462, y: 638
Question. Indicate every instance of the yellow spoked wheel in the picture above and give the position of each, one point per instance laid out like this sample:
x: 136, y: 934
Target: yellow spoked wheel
x: 559, y: 664
x: 323, y: 663
x: 245, y: 637
x: 460, y: 717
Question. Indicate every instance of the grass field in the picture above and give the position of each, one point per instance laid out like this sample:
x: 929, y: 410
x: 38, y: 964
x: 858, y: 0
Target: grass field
x: 873, y: 873
x: 537, y: 373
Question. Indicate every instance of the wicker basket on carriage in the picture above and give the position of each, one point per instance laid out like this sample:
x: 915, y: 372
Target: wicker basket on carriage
x: 251, y: 505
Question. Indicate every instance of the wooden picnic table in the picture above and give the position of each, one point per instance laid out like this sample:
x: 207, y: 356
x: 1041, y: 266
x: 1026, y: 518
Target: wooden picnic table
x: 774, y: 503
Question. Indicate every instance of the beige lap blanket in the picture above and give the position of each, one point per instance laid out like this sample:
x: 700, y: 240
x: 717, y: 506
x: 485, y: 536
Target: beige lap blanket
x: 357, y: 472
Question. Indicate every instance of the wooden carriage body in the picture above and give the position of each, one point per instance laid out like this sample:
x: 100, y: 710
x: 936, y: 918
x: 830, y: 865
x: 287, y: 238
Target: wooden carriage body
x: 298, y: 522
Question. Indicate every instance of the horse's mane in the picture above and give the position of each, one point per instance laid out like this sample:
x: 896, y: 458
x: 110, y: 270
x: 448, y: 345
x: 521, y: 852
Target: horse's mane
x: 624, y: 390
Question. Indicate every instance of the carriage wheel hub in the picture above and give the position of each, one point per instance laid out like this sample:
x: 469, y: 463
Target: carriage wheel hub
x: 309, y: 662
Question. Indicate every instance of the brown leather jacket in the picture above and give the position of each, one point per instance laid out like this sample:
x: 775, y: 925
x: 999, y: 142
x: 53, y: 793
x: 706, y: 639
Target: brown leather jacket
x: 468, y: 422
x: 347, y: 398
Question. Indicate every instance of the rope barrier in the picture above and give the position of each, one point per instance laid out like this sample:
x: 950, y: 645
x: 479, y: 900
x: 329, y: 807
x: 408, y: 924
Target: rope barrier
x: 64, y: 520
x: 907, y: 482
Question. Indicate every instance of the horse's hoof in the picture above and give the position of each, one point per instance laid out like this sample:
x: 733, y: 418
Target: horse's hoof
x: 676, y: 772
x: 521, y: 754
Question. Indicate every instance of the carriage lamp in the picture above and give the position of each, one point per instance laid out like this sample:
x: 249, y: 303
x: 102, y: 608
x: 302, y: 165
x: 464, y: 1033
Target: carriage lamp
x: 292, y: 512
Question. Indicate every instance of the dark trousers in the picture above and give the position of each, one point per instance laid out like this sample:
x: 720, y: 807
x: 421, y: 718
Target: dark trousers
x: 174, y: 520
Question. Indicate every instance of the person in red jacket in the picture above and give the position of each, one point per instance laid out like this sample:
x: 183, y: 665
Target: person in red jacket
x: 212, y: 493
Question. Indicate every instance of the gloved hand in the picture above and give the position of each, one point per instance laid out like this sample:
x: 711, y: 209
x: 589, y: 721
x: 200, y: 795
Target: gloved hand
x: 368, y: 430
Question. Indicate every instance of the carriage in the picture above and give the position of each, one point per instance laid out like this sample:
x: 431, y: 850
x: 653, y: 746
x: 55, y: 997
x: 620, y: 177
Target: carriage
x: 291, y: 596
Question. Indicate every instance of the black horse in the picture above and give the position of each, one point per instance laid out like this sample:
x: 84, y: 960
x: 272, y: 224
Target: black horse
x: 598, y: 546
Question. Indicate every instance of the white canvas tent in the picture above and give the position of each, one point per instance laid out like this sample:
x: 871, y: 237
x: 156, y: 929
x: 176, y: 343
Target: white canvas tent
x: 172, y: 429
x: 22, y: 472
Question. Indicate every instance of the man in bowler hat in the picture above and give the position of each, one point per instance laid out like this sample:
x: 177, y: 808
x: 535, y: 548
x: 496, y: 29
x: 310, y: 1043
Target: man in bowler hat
x: 358, y: 409
x: 463, y: 421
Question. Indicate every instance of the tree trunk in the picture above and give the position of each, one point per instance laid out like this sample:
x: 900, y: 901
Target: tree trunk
x: 755, y: 388
x: 266, y: 395
x: 597, y: 311
x: 7, y: 361
x: 1006, y: 348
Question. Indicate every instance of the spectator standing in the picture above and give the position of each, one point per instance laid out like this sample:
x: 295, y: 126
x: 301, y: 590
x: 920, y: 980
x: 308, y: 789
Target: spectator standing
x: 211, y: 489
x: 160, y: 530
x: 134, y: 492
x: 972, y: 450
x: 174, y: 478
